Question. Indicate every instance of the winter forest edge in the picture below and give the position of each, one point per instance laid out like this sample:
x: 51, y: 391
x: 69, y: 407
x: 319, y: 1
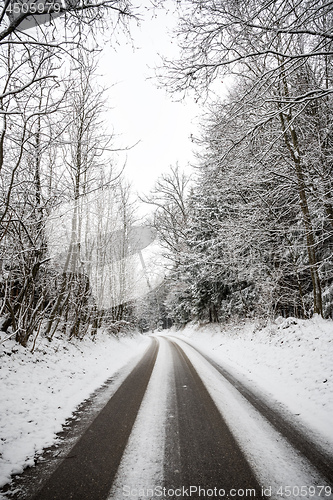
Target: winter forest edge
x: 249, y: 234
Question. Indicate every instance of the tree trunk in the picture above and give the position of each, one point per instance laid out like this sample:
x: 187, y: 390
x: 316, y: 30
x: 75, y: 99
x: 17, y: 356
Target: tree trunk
x: 310, y: 239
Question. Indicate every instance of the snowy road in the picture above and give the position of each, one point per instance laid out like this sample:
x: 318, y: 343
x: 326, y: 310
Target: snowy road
x: 162, y: 435
x: 209, y: 455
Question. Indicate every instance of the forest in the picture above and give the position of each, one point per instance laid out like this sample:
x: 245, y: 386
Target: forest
x: 253, y: 236
x: 248, y: 234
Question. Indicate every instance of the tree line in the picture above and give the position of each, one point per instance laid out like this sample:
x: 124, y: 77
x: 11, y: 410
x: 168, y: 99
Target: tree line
x: 62, y: 193
x: 252, y: 232
x: 249, y: 233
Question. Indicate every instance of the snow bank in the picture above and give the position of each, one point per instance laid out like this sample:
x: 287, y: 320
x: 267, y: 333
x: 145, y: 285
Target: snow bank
x: 290, y: 362
x: 40, y: 390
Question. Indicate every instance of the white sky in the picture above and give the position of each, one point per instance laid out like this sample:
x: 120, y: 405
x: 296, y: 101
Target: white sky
x: 141, y: 111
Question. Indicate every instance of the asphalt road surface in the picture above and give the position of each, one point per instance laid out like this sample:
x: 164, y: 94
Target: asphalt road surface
x: 208, y: 453
x: 89, y: 473
x: 199, y: 447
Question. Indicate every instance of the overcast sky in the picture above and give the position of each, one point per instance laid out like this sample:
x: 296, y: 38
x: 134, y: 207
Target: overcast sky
x: 141, y: 111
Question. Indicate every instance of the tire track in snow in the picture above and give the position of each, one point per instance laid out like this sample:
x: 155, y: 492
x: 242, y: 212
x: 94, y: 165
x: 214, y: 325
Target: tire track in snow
x: 309, y: 449
x: 274, y: 459
x: 210, y: 456
x: 90, y: 468
x: 142, y: 465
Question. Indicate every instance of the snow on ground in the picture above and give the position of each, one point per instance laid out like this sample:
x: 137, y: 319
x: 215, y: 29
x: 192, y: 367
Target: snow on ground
x: 274, y: 461
x: 289, y: 361
x: 141, y: 468
x: 40, y: 390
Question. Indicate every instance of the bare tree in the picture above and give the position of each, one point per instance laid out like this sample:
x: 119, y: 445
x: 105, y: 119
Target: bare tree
x: 78, y: 13
x: 219, y: 38
x: 168, y: 197
x: 83, y: 146
x: 26, y: 116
